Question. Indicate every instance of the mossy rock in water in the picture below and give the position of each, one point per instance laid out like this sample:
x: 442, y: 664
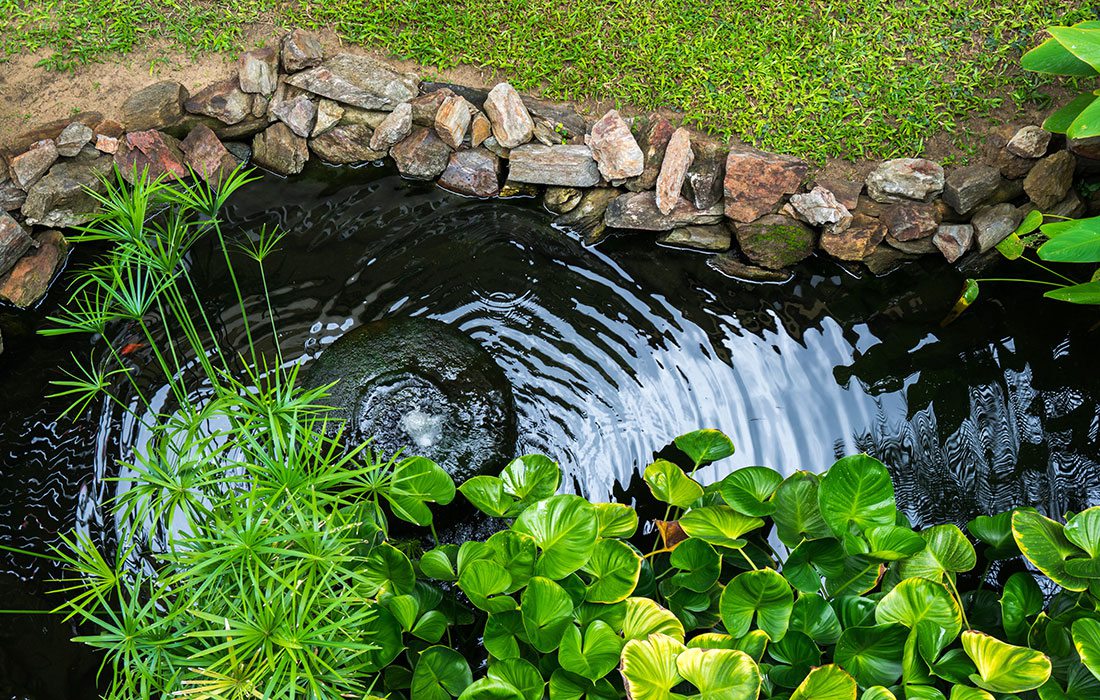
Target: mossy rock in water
x: 422, y: 387
x: 776, y: 241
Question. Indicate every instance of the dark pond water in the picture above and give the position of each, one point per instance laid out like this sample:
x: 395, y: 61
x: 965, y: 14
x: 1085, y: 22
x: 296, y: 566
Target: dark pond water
x: 611, y: 352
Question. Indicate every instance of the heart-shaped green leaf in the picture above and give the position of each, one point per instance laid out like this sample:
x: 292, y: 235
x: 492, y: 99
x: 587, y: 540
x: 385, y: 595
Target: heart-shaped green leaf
x: 995, y: 531
x: 1044, y: 543
x: 531, y: 477
x: 521, y: 675
x: 1004, y: 668
x: 616, y: 520
x: 441, y: 563
x: 416, y: 482
x: 669, y: 484
x: 721, y: 526
x: 762, y: 594
x: 826, y: 683
x: 946, y: 552
x: 649, y: 667
x: 873, y: 654
x: 440, y: 674
x: 813, y: 616
x: 749, y: 490
x: 887, y: 543
x: 613, y: 571
x: 855, y: 494
x: 564, y: 528
x: 1021, y: 599
x: 705, y: 446
x: 503, y: 633
x: 797, y: 513
x: 516, y: 553
x: 485, y: 583
x: 645, y: 617
x: 1086, y: 639
x: 547, y: 610
x: 698, y: 565
x: 720, y: 674
x: 925, y: 607
x: 593, y: 654
x: 487, y: 494
x: 387, y: 569
x: 489, y: 689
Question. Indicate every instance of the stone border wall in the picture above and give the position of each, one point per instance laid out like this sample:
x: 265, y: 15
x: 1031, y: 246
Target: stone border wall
x: 756, y: 213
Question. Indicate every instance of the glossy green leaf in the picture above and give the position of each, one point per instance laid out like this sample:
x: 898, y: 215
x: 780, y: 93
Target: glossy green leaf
x: 516, y: 553
x: 616, y: 519
x: 441, y: 563
x: 570, y: 686
x: 645, y: 617
x: 1060, y: 121
x: 1054, y: 58
x: 995, y: 531
x: 564, y: 528
x: 669, y: 484
x: 503, y: 633
x: 889, y: 543
x: 705, y: 446
x: 720, y: 674
x: 1021, y: 599
x: 1081, y: 41
x: 872, y: 654
x: 750, y: 489
x: 962, y: 692
x: 649, y: 667
x: 431, y: 626
x: 1086, y: 640
x: 925, y: 607
x: 489, y: 689
x: 547, y: 611
x: 1087, y: 293
x: 797, y: 513
x: 1087, y: 123
x: 826, y: 683
x: 416, y: 482
x: 485, y: 582
x: 1076, y: 241
x: 721, y: 526
x: 877, y: 692
x: 388, y: 570
x: 763, y: 595
x: 487, y: 494
x: 698, y: 564
x: 967, y: 296
x: 531, y: 477
x: 855, y: 494
x: 521, y: 675
x: 1012, y: 247
x: 923, y: 692
x: 613, y: 570
x: 947, y: 551
x: 811, y: 560
x: 794, y: 655
x: 593, y: 653
x: 1002, y: 667
x: 440, y: 674
x: 813, y: 616
x: 1044, y: 543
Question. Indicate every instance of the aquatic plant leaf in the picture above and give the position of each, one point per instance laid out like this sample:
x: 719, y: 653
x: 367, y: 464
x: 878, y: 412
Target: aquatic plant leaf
x: 1086, y: 640
x: 720, y: 674
x: 1044, y: 543
x: 887, y: 543
x: 1086, y: 124
x: 516, y: 553
x: 669, y: 484
x: 813, y: 616
x: 1081, y: 41
x: 384, y: 631
x: 614, y: 568
x: 649, y: 667
x: 719, y: 525
x: 531, y: 477
x: 593, y: 654
x: 1060, y: 121
x: 570, y: 686
x: 440, y: 674
x: 829, y: 682
x: 797, y: 513
x: 503, y: 633
x: 873, y: 655
x: 812, y: 560
x: 521, y: 675
x: 699, y: 565
x: 1012, y: 247
x: 564, y: 528
x: 749, y: 490
x: 404, y: 609
x: 855, y: 494
x: 547, y: 610
x: 1030, y: 224
x: 485, y: 582
x: 1021, y: 598
x: 1002, y: 667
x: 794, y: 655
x: 430, y: 627
x: 1087, y: 293
x: 954, y: 666
x: 925, y: 607
x: 416, y: 482
x: 857, y: 575
x: 947, y: 551
x: 616, y: 520
x: 877, y: 692
x: 923, y: 692
x: 763, y: 595
x: 962, y: 692
x: 491, y: 689
x: 995, y: 531
x: 705, y: 446
x: 487, y: 494
x: 645, y: 617
x: 441, y: 563
x: 387, y: 569
x: 1054, y: 58
x: 712, y: 640
x: 1076, y: 241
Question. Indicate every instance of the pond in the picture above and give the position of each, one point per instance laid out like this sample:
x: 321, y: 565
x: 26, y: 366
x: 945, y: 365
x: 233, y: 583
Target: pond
x: 610, y: 353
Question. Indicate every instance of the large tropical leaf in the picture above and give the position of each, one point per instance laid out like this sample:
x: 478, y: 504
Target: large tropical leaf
x: 564, y: 528
x: 649, y: 667
x: 616, y: 519
x: 487, y: 494
x: 516, y: 553
x: 547, y: 611
x: 749, y: 490
x: 720, y: 674
x: 925, y: 607
x: 440, y: 674
x: 614, y: 568
x: 1002, y: 667
x: 1063, y: 118
x: 1044, y: 543
x: 521, y: 675
x: 947, y: 551
x: 1021, y: 599
x: 995, y: 531
x: 1075, y: 241
x: 873, y: 655
x: 669, y: 484
x: 762, y: 594
x: 531, y: 477
x: 698, y: 565
x: 491, y: 689
x: 797, y: 513
x: 593, y: 653
x: 1086, y: 293
x: 1086, y: 639
x: 855, y: 494
x: 388, y: 570
x: 416, y: 482
x: 485, y: 583
x: 813, y: 616
x: 1081, y: 41
x: 719, y: 525
x: 1054, y: 58
x: 645, y: 617
x: 705, y: 446
x: 826, y: 683
x: 565, y: 685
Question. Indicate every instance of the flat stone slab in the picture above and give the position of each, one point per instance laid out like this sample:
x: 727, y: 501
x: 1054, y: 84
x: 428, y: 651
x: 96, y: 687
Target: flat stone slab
x: 712, y: 239
x: 349, y: 143
x: 638, y: 210
x: 566, y: 166
x: 360, y: 81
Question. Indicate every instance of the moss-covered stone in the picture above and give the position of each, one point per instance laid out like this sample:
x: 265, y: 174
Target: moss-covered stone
x: 776, y: 241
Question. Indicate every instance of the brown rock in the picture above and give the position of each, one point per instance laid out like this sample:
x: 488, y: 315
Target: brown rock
x: 638, y: 210
x: 512, y: 124
x: 32, y: 164
x: 994, y: 224
x: 587, y: 217
x: 301, y: 49
x: 14, y: 242
x: 422, y: 155
x: 953, y: 240
x: 480, y: 129
x: 919, y: 246
x: 1029, y: 142
x: 1013, y: 167
x: 712, y: 239
x: 452, y: 120
x: 29, y: 279
x: 756, y: 182
x: 12, y: 196
x: 329, y: 114
x: 1050, y: 179
x: 559, y: 200
x: 674, y: 169
x: 911, y: 221
x: 729, y: 265
x: 280, y: 150
x: 367, y: 117
x: 966, y: 188
x: 64, y: 196
x: 845, y: 191
x: 207, y: 156
x: 155, y: 106
x: 258, y: 71
x: 561, y: 115
x: 152, y: 152
x: 347, y: 143
x: 613, y: 146
x: 395, y: 127
x: 704, y: 177
x: 300, y: 114
x: 857, y: 241
x: 653, y: 139
x: 566, y: 166
x: 775, y: 242
x: 73, y: 138
x: 475, y: 172
x: 886, y: 259
x: 424, y: 108
x: 223, y: 100
x: 109, y: 127
x: 359, y: 81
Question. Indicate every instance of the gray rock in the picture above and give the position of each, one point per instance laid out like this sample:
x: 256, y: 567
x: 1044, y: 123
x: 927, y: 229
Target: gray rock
x: 966, y: 188
x: 12, y: 196
x: 425, y: 106
x: 329, y: 114
x: 279, y: 149
x: 613, y: 146
x: 561, y: 114
x: 395, y: 127
x: 953, y: 240
x: 918, y: 246
x: 994, y: 224
x: 260, y: 105
x: 360, y: 81
x: 775, y: 241
x: 300, y: 114
x: 911, y: 221
x: 1007, y: 191
x: 258, y: 71
x: 73, y: 138
x: 421, y: 155
x: 29, y: 279
x: 566, y: 166
x: 587, y: 217
x: 33, y: 163
x: 474, y: 172
x: 674, y: 170
x: 729, y: 265
x: 756, y: 182
x: 711, y: 239
x: 301, y: 49
x: 905, y: 178
x: 653, y: 134
x: 366, y: 117
x: 856, y: 241
x: 819, y: 207
x: 545, y: 133
x: 347, y: 143
x: 638, y: 210
x: 156, y: 106
x: 452, y: 120
x: 559, y: 200
x: 14, y: 242
x: 1050, y: 179
x: 62, y: 198
x: 1012, y: 166
x: 207, y: 156
x: 491, y: 144
x: 1072, y: 207
x: 512, y: 124
x: 241, y: 151
x: 1029, y: 142
x: 223, y: 100
x: 704, y: 177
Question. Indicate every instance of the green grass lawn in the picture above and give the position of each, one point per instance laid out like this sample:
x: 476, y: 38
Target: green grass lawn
x: 847, y: 78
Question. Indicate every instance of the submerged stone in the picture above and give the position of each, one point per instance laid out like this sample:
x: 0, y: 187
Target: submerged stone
x: 423, y: 388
